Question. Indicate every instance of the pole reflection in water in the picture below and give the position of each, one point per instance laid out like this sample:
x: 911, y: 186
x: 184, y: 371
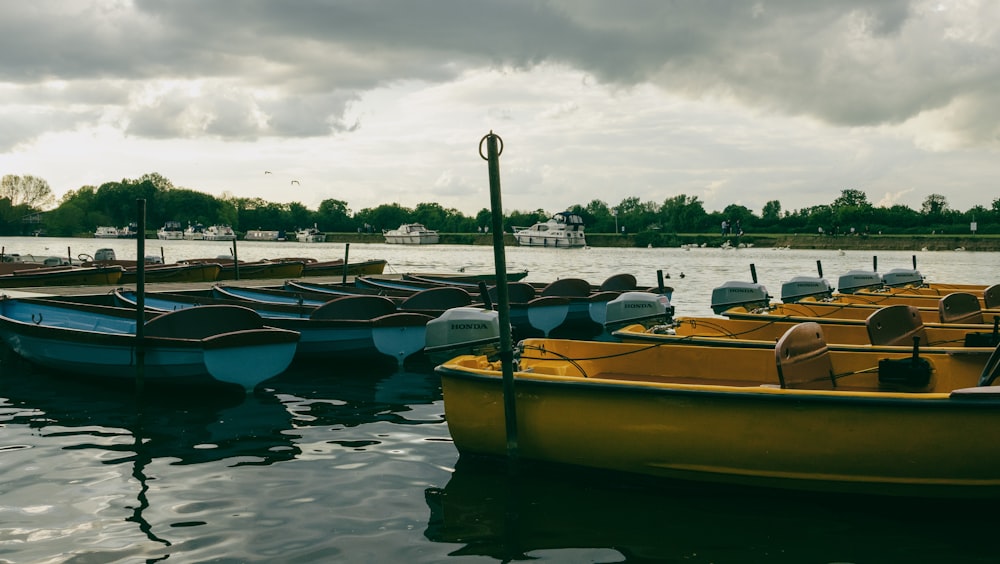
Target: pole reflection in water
x: 189, y: 427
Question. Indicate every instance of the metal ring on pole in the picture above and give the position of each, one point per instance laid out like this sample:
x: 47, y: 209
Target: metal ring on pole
x: 499, y: 148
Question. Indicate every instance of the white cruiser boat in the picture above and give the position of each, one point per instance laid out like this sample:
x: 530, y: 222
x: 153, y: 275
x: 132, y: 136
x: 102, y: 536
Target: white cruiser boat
x: 219, y: 233
x: 411, y: 234
x: 264, y: 235
x: 194, y: 232
x: 171, y: 230
x: 105, y: 232
x: 564, y: 229
x: 310, y: 235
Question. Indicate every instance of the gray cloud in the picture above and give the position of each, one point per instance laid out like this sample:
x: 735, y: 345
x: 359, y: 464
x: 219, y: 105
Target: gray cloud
x: 846, y: 62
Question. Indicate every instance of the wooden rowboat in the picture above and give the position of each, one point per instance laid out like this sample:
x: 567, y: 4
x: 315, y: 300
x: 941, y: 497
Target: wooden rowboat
x: 214, y: 343
x: 798, y: 417
x: 62, y: 276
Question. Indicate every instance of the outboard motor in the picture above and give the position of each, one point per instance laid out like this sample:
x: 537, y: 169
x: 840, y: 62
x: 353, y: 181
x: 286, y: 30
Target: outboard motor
x: 104, y: 254
x: 735, y: 293
x: 856, y: 280
x: 801, y: 287
x: 645, y: 308
x: 462, y: 330
x: 898, y: 277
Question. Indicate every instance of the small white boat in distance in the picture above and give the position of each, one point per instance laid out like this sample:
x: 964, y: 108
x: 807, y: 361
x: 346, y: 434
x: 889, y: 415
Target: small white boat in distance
x: 106, y: 232
x: 219, y: 233
x: 264, y: 235
x: 564, y: 229
x: 171, y: 230
x: 310, y: 235
x: 195, y: 232
x: 411, y: 234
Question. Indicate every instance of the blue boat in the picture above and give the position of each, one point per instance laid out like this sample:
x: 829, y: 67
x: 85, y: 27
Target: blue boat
x: 346, y: 327
x: 227, y: 344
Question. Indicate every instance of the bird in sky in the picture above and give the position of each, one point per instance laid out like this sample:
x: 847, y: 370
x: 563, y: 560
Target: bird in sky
x: 267, y: 172
x: 295, y: 182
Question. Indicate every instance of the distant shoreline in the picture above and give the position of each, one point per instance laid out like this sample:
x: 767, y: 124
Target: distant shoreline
x: 985, y: 243
x: 982, y: 243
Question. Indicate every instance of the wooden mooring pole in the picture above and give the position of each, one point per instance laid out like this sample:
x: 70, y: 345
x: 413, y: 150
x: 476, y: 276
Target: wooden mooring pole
x: 140, y: 296
x: 494, y: 147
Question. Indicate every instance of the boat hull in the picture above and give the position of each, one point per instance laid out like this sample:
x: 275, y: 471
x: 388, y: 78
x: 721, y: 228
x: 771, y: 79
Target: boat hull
x: 336, y: 268
x: 895, y: 443
x: 411, y: 234
x: 534, y: 239
x: 224, y: 344
x: 71, y: 276
x: 175, y: 273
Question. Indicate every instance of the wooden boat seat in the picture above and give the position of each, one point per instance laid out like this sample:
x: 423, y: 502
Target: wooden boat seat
x: 355, y: 307
x: 445, y: 297
x: 517, y: 293
x: 568, y: 288
x: 896, y: 325
x: 619, y: 283
x: 803, y: 359
x: 960, y: 307
x: 202, y: 322
x: 991, y: 297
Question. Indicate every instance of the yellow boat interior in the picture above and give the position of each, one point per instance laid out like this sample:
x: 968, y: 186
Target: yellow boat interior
x: 888, y: 326
x: 800, y: 360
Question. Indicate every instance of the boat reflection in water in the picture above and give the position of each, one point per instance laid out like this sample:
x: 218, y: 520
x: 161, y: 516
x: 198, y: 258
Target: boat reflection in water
x: 215, y: 423
x: 133, y: 434
x: 595, y: 516
x: 354, y: 396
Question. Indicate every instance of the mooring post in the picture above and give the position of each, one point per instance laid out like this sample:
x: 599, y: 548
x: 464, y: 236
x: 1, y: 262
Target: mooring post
x: 494, y: 147
x: 140, y: 296
x: 236, y: 261
x: 347, y: 252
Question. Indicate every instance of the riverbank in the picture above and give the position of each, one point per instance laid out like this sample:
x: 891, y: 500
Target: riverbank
x: 986, y: 243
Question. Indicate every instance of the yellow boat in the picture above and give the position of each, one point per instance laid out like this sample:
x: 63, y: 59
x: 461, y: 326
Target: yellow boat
x: 893, y: 296
x: 805, y: 297
x: 839, y: 311
x: 262, y: 269
x: 799, y: 417
x: 989, y: 297
x: 62, y: 276
x: 889, y: 329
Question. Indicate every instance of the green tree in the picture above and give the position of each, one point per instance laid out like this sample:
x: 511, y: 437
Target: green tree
x: 851, y: 198
x: 431, y: 215
x: 334, y: 215
x: 683, y: 214
x: 484, y: 218
x: 27, y: 190
x: 601, y: 219
x: 771, y: 212
x: 852, y: 210
x: 739, y: 217
x: 384, y: 217
x: 934, y: 205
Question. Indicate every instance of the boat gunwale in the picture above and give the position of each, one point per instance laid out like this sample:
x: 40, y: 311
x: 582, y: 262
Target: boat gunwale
x: 764, y: 392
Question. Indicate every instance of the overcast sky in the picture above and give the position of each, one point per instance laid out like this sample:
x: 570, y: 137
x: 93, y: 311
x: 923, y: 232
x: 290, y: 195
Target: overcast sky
x: 374, y: 102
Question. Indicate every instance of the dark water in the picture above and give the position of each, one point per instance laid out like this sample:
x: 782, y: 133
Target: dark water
x: 335, y: 463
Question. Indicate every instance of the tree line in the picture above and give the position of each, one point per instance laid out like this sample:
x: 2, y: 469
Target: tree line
x: 24, y: 201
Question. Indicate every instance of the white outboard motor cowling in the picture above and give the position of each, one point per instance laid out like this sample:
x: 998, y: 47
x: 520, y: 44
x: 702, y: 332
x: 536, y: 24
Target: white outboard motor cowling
x: 898, y: 277
x: 104, y: 254
x: 645, y: 308
x: 801, y: 287
x: 856, y: 280
x: 736, y: 293
x: 462, y: 330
